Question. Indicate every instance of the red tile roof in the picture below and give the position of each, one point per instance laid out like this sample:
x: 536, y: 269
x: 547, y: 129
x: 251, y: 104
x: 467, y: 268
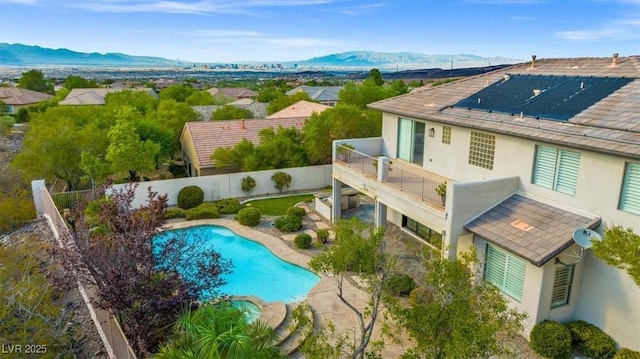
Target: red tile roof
x: 210, y: 135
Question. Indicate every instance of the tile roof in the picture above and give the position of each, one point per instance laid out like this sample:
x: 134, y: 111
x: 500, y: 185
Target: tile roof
x: 237, y: 92
x: 319, y: 93
x: 530, y: 229
x: 207, y: 136
x: 611, y: 125
x: 96, y: 96
x: 299, y: 109
x: 16, y: 96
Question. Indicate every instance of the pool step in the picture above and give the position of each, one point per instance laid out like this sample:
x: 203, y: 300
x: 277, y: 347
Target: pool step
x: 293, y: 339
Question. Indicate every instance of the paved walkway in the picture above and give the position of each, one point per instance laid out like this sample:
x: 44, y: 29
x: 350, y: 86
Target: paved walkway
x: 323, y: 297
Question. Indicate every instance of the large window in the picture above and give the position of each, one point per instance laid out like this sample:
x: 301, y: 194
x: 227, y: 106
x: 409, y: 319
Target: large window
x: 556, y: 169
x: 431, y: 236
x: 630, y: 196
x: 411, y: 141
x: 482, y: 149
x: 505, y: 271
x: 562, y: 285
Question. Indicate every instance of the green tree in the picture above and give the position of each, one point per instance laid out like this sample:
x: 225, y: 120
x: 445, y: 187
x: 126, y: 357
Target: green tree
x: 269, y: 94
x: 376, y: 76
x: 399, y: 87
x: 364, y: 94
x: 218, y: 330
x: 284, y: 101
x: 358, y: 249
x: 127, y: 153
x: 173, y: 115
x: 151, y: 130
x: 75, y: 81
x: 142, y: 101
x: 34, y: 80
x: 452, y: 315
x: 281, y: 149
x: 340, y: 122
x: 620, y: 247
x: 176, y: 92
x: 200, y: 98
x: 230, y: 112
x: 240, y: 157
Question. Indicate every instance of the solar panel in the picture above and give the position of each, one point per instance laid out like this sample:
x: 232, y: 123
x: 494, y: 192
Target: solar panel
x: 549, y: 97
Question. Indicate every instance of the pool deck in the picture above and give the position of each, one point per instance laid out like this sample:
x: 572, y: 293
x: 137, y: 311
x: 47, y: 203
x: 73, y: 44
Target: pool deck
x: 323, y: 297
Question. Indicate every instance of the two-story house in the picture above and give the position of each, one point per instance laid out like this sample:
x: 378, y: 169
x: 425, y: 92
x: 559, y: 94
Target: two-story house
x: 514, y: 162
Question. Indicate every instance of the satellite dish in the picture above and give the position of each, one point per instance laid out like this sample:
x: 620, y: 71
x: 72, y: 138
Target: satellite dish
x: 584, y: 237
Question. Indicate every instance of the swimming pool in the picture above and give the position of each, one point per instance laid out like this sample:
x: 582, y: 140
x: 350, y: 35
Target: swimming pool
x: 256, y: 271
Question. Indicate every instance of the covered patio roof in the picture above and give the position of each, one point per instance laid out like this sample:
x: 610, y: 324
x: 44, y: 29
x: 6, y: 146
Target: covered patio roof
x: 530, y: 229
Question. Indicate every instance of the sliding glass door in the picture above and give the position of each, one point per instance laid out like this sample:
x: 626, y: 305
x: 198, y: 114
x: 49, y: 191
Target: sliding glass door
x: 411, y: 141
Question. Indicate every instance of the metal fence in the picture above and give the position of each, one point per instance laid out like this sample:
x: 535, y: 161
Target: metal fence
x: 357, y: 160
x: 64, y: 200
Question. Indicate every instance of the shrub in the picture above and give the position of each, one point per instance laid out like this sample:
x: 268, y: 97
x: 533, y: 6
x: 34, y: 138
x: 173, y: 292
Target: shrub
x: 551, y: 339
x: 296, y: 211
x: 591, y: 340
x: 15, y: 210
x: 177, y: 170
x: 175, y: 212
x: 626, y: 353
x: 248, y: 184
x: 249, y: 216
x: 400, y: 284
x: 419, y: 296
x: 228, y: 205
x: 190, y: 197
x: 281, y: 180
x: 288, y: 223
x: 302, y: 241
x: 323, y: 235
x: 203, y: 211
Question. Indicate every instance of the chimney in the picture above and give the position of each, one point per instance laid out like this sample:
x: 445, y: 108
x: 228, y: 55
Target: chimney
x: 533, y: 62
x: 614, y: 60
x: 242, y: 124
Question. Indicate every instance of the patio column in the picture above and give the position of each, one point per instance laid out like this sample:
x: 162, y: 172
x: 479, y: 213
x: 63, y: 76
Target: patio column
x: 336, y: 193
x: 36, y: 185
x: 383, y: 168
x: 380, y: 214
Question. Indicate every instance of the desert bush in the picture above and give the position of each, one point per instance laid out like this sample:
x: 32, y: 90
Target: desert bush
x: 323, y: 235
x: 626, y: 353
x: 203, y: 211
x: 15, y: 210
x: 400, y: 284
x: 228, y: 205
x: 190, y: 197
x: 248, y: 184
x: 551, y: 339
x: 249, y: 216
x: 296, y: 211
x: 288, y: 223
x: 591, y: 340
x: 281, y: 180
x: 175, y: 212
x: 302, y: 241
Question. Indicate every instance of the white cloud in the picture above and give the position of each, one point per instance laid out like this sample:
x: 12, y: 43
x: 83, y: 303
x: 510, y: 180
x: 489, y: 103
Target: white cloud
x: 589, y: 35
x: 21, y: 2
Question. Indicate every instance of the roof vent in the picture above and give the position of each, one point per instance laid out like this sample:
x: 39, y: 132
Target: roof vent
x: 506, y: 77
x: 614, y: 60
x: 521, y: 225
x: 536, y: 92
x: 533, y: 62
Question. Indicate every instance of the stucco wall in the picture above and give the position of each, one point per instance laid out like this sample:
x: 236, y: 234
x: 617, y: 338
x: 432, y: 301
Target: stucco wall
x: 229, y: 185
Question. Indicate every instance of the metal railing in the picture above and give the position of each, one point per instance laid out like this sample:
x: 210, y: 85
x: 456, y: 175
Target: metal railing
x: 421, y: 184
x: 114, y: 340
x: 65, y: 200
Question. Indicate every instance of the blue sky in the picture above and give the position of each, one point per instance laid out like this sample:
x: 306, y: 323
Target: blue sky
x: 289, y: 30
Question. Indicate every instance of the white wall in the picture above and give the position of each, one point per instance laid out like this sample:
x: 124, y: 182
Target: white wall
x: 229, y: 185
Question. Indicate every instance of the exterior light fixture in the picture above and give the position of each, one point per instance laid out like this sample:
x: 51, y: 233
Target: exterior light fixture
x: 432, y: 132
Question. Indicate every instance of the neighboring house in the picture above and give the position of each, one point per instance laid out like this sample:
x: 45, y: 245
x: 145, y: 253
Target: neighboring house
x: 235, y: 93
x: 326, y: 95
x: 259, y: 109
x: 96, y: 96
x: 200, y: 139
x: 15, y: 98
x: 527, y: 154
x: 301, y: 108
x: 164, y: 83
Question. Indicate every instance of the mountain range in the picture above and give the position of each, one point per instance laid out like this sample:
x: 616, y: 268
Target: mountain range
x: 28, y: 55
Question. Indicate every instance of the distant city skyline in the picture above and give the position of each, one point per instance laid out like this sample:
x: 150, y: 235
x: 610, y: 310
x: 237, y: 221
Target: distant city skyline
x: 227, y: 31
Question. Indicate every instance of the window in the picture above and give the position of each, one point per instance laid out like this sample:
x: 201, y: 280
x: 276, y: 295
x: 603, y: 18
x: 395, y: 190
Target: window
x: 9, y: 109
x: 556, y: 169
x: 481, y: 149
x: 411, y: 141
x: 431, y: 236
x: 505, y: 271
x: 562, y: 285
x: 630, y: 196
x: 446, y: 135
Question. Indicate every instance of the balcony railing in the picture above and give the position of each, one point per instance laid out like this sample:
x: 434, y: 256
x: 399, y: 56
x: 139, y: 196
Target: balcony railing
x: 421, y: 184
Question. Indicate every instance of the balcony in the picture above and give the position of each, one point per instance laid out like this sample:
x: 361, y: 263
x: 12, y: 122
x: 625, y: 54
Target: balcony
x: 358, y: 156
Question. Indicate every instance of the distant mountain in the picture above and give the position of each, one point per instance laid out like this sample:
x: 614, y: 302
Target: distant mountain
x: 405, y: 60
x: 25, y: 55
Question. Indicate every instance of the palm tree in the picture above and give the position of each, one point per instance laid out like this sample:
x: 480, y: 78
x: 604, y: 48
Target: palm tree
x: 220, y: 331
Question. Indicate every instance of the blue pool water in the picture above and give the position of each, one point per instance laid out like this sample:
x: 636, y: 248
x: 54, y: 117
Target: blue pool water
x: 256, y: 271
